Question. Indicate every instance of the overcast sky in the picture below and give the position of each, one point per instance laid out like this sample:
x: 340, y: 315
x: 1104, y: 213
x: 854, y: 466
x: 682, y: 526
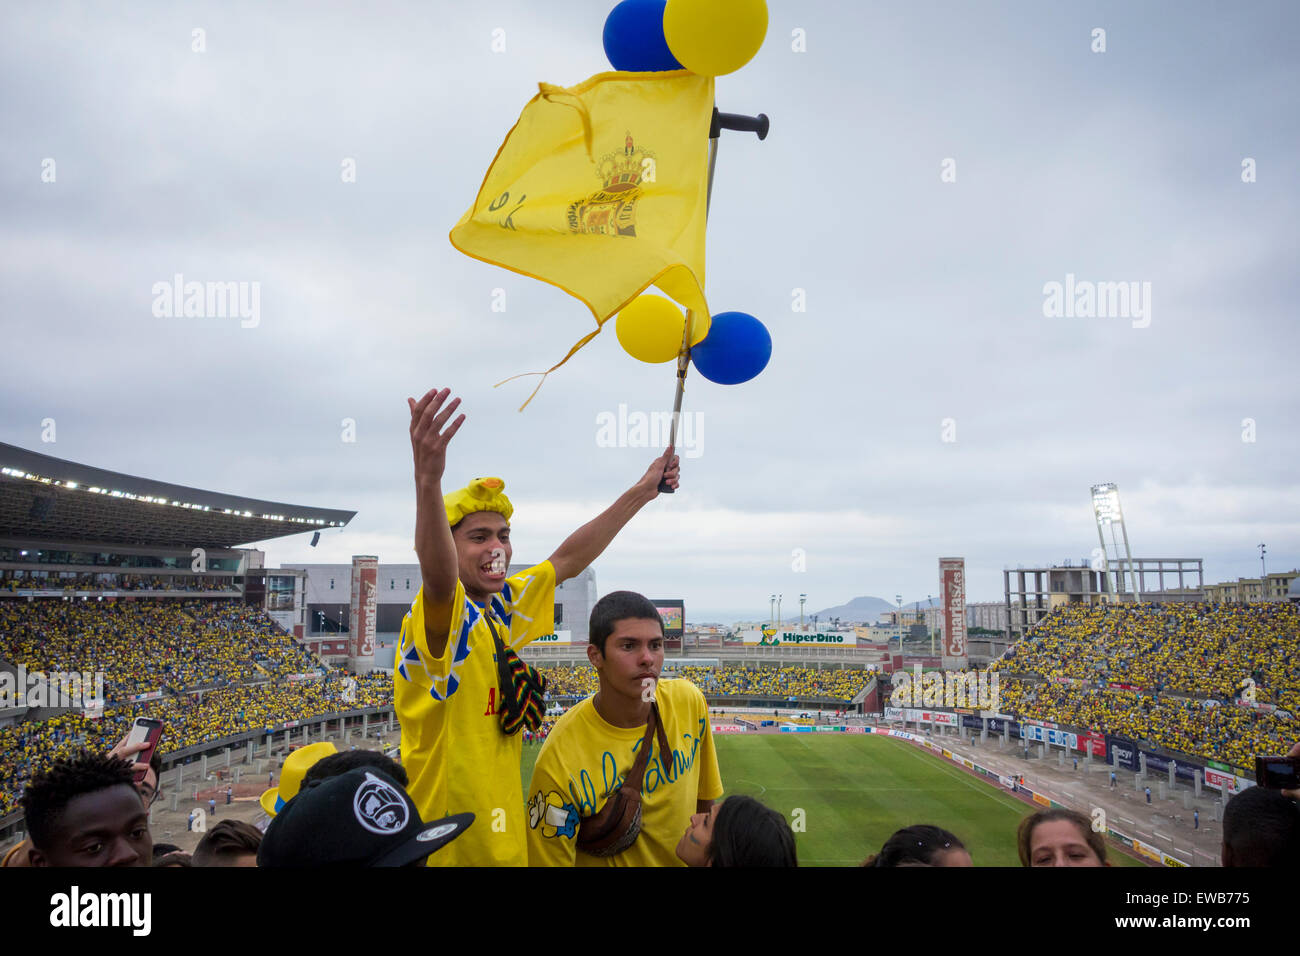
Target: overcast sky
x: 925, y: 299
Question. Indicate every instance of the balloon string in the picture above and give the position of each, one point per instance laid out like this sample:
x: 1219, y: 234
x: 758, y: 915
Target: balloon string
x: 581, y: 342
x: 550, y: 93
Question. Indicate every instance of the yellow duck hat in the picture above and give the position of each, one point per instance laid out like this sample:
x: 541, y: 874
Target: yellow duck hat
x: 295, y: 768
x: 481, y: 494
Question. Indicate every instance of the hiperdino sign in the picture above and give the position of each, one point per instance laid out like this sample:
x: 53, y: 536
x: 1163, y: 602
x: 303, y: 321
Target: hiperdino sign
x: 559, y: 638
x: 771, y: 638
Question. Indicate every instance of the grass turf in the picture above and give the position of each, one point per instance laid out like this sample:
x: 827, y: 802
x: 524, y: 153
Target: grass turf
x: 857, y: 789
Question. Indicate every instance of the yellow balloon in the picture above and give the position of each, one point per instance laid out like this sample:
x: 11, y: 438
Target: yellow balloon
x: 650, y: 329
x: 713, y: 37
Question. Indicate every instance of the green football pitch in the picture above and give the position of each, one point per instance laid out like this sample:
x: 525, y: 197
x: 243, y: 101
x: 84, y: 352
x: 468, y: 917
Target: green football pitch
x: 857, y: 789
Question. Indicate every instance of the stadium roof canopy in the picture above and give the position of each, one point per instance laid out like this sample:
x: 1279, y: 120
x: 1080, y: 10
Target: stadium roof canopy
x: 49, y: 498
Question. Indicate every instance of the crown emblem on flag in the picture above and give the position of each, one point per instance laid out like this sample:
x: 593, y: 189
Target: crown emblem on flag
x: 611, y: 210
x: 620, y: 171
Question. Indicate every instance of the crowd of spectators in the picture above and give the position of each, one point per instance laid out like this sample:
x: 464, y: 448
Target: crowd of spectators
x: 114, y: 581
x: 1197, y: 650
x: 729, y: 680
x: 783, y: 682
x: 150, y: 645
x: 1188, y: 672
x: 1219, y: 732
x: 188, y: 719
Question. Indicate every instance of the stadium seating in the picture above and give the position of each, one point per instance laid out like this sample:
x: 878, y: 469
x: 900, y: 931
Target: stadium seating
x: 149, y: 645
x: 1184, y: 668
x: 222, y: 713
x: 730, y: 680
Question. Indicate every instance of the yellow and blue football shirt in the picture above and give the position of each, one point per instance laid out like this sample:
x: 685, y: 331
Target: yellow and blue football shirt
x: 454, y: 751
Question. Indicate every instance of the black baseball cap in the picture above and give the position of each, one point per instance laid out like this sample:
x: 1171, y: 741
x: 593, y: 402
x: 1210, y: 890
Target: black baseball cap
x: 359, y: 818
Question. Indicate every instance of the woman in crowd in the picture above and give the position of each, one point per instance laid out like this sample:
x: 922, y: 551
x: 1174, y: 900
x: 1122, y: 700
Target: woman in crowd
x: 921, y: 845
x: 738, y: 831
x: 1060, y: 837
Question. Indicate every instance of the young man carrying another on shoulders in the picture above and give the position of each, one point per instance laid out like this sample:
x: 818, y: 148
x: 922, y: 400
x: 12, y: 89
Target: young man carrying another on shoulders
x: 447, y: 690
x: 594, y: 747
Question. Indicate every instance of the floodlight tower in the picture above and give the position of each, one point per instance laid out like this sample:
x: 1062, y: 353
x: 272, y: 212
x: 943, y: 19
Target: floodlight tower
x: 929, y: 620
x: 1106, y: 508
x: 898, y: 599
x: 802, y: 599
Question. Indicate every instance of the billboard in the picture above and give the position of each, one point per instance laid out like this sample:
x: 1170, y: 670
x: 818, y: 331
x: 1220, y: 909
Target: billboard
x: 1094, y: 742
x: 673, y: 614
x: 1123, y: 753
x: 952, y: 586
x: 1054, y: 738
x: 770, y: 637
x: 558, y: 639
x: 365, y: 583
x: 929, y: 716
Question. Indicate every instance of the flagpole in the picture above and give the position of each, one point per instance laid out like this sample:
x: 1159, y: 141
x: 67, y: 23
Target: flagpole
x: 754, y: 124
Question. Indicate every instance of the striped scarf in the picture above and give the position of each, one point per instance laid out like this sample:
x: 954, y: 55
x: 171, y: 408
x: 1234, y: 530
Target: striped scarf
x: 521, y: 689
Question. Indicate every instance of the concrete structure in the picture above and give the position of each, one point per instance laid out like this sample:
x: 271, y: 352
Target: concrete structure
x: 1275, y: 587
x: 1031, y: 593
x: 329, y: 598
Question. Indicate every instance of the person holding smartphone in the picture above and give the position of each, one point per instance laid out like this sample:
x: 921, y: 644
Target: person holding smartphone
x: 145, y: 777
x: 86, y: 811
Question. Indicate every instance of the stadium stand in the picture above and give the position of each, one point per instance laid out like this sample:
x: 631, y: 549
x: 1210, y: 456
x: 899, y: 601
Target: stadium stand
x: 730, y: 680
x: 1179, y: 675
x: 148, y: 645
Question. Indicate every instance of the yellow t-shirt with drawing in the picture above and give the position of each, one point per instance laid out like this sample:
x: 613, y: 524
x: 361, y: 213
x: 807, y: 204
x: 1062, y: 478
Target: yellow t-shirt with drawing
x: 585, y: 758
x: 454, y: 751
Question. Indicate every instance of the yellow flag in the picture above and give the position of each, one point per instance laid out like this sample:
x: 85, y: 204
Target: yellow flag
x: 601, y: 190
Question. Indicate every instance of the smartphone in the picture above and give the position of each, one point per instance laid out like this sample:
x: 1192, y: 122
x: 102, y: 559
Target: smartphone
x: 145, y: 730
x: 1278, y: 773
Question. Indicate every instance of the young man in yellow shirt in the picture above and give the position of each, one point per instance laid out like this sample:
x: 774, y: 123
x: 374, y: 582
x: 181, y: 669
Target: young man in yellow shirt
x: 446, y: 687
x: 595, y: 744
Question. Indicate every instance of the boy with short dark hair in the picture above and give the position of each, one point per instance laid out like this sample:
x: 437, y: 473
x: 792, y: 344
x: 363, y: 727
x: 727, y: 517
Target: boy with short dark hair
x: 229, y: 843
x: 594, y: 748
x: 86, y: 811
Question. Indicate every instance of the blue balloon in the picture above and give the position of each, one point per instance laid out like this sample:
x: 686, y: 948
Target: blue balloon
x: 634, y: 37
x: 736, y: 349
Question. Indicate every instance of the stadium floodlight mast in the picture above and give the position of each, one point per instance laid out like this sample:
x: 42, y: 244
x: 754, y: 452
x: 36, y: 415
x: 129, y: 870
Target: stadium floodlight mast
x: 778, y: 610
x: 802, y: 598
x: 1108, y: 512
x: 929, y: 620
x: 771, y: 611
x: 898, y: 599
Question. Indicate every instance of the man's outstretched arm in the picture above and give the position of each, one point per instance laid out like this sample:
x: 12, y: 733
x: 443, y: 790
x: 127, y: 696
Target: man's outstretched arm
x: 586, y: 544
x: 434, y: 546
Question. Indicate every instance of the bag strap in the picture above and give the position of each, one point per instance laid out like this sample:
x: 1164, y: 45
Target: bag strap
x: 636, y: 775
x: 654, y: 727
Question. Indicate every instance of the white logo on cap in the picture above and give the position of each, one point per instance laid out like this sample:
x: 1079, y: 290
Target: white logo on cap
x: 436, y: 832
x: 379, y: 807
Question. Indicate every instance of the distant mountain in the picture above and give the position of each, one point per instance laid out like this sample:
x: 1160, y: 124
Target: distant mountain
x: 861, y: 610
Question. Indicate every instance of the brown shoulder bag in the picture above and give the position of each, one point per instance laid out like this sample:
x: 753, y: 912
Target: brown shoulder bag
x: 618, y: 824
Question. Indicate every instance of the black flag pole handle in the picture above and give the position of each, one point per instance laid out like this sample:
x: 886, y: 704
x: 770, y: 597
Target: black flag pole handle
x: 746, y: 124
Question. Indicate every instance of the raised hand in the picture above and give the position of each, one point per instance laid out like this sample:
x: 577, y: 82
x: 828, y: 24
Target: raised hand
x: 667, y: 467
x: 429, y: 438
